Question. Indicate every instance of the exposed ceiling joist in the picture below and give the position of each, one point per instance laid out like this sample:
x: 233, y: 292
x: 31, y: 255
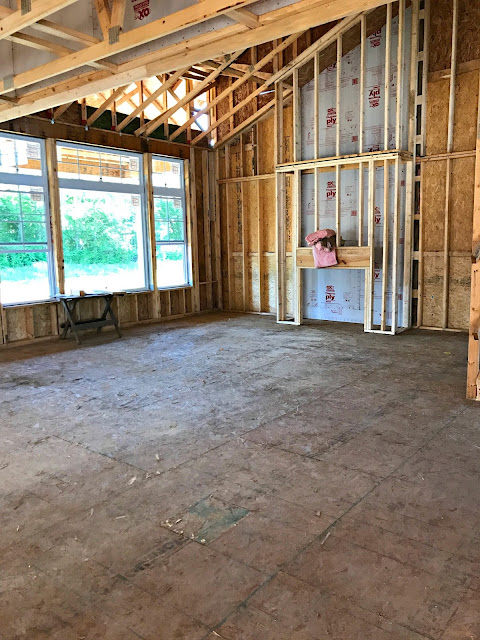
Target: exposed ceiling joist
x: 244, y: 16
x: 214, y: 44
x: 118, y: 14
x: 104, y: 16
x: 54, y: 29
x: 234, y: 71
x: 202, y: 11
x: 18, y: 20
x: 57, y: 49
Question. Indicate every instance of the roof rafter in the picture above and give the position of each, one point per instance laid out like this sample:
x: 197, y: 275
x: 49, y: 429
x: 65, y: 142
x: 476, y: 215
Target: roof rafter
x: 102, y: 108
x: 260, y: 64
x: 196, y: 91
x: 152, y: 97
x: 213, y: 44
x: 195, y: 14
x: 104, y: 16
x: 322, y: 43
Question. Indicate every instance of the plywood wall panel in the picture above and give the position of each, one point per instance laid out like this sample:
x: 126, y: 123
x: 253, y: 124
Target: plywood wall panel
x: 433, y: 290
x: 437, y: 116
x: 468, y: 30
x: 459, y: 292
x: 461, y: 213
x: 433, y: 206
x: 440, y: 48
x: 466, y: 101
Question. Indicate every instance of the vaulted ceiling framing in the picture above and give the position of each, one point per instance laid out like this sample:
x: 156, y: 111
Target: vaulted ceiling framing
x: 177, y: 81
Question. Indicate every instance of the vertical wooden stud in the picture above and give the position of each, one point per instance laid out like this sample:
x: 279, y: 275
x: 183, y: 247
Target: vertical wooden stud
x: 386, y: 204
x: 316, y: 107
x: 339, y: 90
x: 386, y: 84
x: 361, y: 123
x: 451, y: 118
x: 474, y: 322
x: 55, y: 219
x: 360, y: 206
x: 396, y: 228
x: 370, y: 280
x: 215, y: 170
x: 206, y: 228
x: 150, y: 203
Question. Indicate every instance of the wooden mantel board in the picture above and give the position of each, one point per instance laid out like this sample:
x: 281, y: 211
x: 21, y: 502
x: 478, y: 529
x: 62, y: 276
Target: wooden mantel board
x: 348, y: 258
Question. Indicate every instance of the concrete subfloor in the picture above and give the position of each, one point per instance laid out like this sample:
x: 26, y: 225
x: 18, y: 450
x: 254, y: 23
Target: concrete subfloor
x: 229, y: 477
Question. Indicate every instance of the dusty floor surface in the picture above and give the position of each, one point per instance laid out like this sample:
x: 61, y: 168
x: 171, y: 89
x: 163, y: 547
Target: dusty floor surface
x: 234, y: 478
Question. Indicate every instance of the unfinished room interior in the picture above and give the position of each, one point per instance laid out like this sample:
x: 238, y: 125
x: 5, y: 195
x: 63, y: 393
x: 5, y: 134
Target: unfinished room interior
x: 239, y: 320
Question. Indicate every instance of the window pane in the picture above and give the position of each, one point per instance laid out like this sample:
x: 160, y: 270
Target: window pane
x: 25, y: 260
x: 20, y: 156
x: 171, y: 265
x: 102, y: 241
x: 22, y: 217
x: 24, y: 277
x: 166, y: 173
x: 98, y: 166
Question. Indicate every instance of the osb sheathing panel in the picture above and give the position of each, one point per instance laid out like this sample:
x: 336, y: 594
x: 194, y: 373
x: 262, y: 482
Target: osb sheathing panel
x: 461, y: 210
x: 288, y: 134
x: 42, y: 320
x: 241, y: 94
x: 459, y: 292
x: 235, y: 157
x: 440, y: 46
x: 466, y: 101
x: 433, y: 291
x: 223, y: 106
x: 250, y: 203
x: 127, y: 310
x: 144, y: 306
x: 270, y: 284
x: 17, y: 323
x: 176, y: 301
x: 468, y: 30
x: 237, y: 283
x: 441, y: 15
x: 266, y: 145
x: 267, y: 204
x: 437, y: 116
x: 433, y: 207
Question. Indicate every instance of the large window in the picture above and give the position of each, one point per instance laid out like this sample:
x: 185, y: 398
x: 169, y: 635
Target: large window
x: 170, y: 222
x: 26, y: 267
x: 103, y: 219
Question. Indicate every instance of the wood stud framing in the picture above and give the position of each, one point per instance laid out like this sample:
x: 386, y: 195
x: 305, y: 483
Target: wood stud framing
x: 386, y: 160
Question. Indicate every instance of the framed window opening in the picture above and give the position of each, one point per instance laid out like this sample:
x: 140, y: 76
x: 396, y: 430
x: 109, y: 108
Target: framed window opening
x: 170, y: 216
x: 103, y: 217
x: 26, y: 259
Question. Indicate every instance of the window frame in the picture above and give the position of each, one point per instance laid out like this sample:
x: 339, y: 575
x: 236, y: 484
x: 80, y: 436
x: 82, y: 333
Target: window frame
x: 20, y: 179
x: 169, y: 192
x: 117, y: 187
